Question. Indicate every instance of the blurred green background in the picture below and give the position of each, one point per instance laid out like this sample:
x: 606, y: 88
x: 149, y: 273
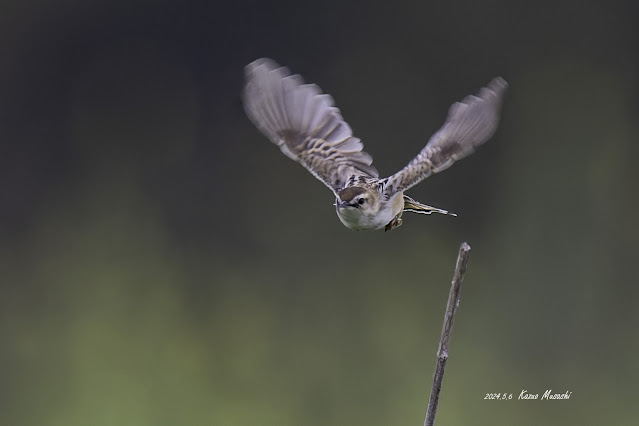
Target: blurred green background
x: 161, y: 263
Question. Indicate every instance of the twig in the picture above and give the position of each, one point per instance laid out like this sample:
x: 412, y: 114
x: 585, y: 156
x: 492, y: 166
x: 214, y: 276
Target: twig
x: 442, y: 351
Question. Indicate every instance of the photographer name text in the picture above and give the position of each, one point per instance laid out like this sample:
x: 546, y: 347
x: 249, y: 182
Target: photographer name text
x: 526, y: 395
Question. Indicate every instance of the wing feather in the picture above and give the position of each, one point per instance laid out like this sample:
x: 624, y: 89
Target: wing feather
x: 304, y: 123
x: 469, y: 124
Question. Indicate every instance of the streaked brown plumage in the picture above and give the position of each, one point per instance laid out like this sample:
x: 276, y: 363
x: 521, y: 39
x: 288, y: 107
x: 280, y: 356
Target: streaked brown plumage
x: 309, y: 129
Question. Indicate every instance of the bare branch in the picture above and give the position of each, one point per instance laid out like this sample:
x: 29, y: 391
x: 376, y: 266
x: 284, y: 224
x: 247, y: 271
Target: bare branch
x: 442, y: 351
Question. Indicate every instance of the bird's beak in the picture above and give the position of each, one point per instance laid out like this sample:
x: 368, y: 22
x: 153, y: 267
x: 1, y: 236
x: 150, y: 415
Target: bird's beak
x: 344, y: 204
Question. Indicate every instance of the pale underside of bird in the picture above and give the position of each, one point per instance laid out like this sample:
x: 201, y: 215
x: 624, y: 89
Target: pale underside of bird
x: 309, y: 129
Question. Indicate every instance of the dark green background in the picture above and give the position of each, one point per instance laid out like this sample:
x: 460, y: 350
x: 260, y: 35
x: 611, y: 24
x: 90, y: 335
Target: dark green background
x: 161, y: 263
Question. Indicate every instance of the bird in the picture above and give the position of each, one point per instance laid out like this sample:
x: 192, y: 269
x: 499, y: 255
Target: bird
x: 308, y: 128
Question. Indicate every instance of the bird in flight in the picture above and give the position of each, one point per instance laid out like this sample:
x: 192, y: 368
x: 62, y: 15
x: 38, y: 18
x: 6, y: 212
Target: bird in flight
x: 309, y: 129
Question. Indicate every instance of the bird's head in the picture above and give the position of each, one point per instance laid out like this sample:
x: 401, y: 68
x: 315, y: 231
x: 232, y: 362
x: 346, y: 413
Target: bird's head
x: 363, y: 199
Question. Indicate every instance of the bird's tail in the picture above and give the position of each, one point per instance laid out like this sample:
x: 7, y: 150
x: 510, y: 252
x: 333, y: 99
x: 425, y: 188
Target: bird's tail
x: 411, y: 205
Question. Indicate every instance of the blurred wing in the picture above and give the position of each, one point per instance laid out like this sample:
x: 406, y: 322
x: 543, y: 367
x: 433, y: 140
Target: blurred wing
x: 469, y: 124
x: 304, y: 123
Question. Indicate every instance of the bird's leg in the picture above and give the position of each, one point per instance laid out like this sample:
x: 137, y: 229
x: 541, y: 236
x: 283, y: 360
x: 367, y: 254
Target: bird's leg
x: 395, y: 223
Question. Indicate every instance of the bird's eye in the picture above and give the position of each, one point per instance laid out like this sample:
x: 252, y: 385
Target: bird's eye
x: 361, y: 201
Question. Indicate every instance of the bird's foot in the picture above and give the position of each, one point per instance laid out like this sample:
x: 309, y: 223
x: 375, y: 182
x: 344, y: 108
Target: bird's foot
x: 395, y: 223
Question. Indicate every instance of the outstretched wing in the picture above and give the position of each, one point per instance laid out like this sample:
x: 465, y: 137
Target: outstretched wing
x: 469, y: 124
x: 304, y: 123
